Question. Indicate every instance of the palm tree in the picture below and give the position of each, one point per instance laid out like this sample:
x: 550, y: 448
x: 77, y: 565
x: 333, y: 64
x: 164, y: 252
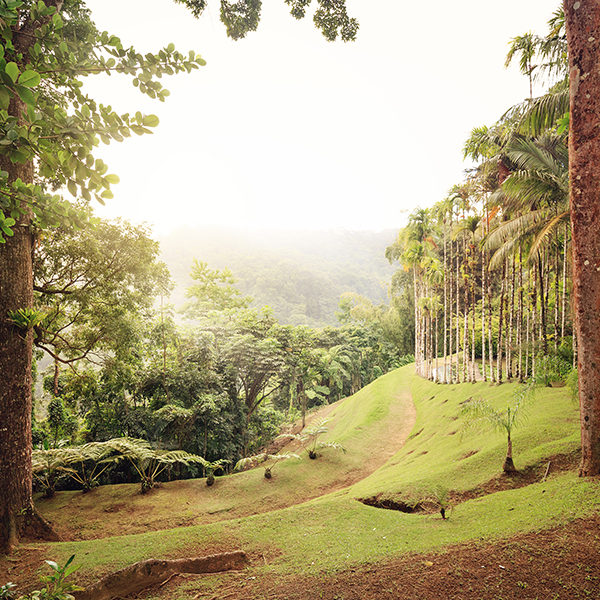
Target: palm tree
x: 537, y: 192
x: 481, y: 413
x: 526, y: 46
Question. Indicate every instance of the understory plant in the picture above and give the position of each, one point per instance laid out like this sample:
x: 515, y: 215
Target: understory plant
x: 57, y: 587
x: 481, y: 413
x: 440, y: 496
x: 48, y: 465
x: 251, y: 461
x: 6, y: 591
x: 308, y: 438
x: 211, y: 468
x: 150, y: 462
x: 91, y: 459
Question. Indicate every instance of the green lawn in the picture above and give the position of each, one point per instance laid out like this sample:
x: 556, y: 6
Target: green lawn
x: 334, y: 531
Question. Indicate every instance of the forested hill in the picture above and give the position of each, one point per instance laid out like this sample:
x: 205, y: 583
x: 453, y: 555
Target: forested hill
x: 300, y: 274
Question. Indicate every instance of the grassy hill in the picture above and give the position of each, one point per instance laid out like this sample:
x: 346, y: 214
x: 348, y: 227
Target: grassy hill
x: 310, y: 521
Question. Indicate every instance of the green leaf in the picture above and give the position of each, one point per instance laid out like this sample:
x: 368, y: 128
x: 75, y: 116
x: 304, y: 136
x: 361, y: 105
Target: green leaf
x: 29, y: 79
x: 151, y: 121
x: 12, y: 71
x: 72, y: 187
x: 112, y: 179
x: 25, y: 94
x: 5, y: 97
x: 53, y: 564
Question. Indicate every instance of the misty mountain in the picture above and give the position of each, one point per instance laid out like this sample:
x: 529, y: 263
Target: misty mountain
x: 300, y: 274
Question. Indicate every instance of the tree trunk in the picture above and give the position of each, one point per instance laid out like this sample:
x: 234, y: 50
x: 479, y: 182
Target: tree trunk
x: 583, y: 36
x: 499, y: 352
x: 16, y: 292
x: 509, y: 465
x: 490, y: 335
x: 511, y: 319
x: 445, y: 377
x: 556, y: 290
x: 457, y: 314
x: 450, y: 333
x: 543, y: 306
x: 483, y: 297
x: 534, y: 323
x: 473, y: 378
x: 520, y: 319
x: 564, y: 288
x: 466, y: 334
x: 18, y: 516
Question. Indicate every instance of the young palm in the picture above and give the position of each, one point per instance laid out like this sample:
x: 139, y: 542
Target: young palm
x: 481, y: 413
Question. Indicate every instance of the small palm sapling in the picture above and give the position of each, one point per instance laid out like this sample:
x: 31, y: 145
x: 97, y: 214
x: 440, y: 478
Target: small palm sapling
x: 481, y: 413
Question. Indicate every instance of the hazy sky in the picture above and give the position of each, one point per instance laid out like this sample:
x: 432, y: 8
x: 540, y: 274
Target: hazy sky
x: 286, y: 130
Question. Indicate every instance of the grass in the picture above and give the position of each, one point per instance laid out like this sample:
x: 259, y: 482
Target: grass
x: 325, y: 529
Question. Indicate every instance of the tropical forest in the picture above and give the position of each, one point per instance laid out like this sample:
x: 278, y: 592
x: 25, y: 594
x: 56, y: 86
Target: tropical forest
x: 215, y: 413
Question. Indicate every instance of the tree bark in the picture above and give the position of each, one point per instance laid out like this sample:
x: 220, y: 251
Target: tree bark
x: 16, y: 292
x: 18, y: 516
x: 583, y: 37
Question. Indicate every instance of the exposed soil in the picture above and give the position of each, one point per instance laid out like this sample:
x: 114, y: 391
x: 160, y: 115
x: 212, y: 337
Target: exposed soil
x: 563, y: 563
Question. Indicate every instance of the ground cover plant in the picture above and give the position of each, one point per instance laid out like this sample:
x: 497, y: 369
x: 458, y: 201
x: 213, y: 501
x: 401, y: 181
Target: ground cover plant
x: 296, y: 534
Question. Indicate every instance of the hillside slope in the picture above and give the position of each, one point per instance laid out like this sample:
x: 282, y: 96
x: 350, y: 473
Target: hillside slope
x: 291, y: 540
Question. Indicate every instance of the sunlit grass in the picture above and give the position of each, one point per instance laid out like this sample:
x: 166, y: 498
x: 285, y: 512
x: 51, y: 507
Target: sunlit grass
x: 336, y: 531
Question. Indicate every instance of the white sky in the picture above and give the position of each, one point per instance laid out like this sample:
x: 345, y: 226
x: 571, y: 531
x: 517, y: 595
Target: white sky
x: 286, y: 130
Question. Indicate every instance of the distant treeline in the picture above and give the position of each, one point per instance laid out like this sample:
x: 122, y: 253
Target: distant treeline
x: 299, y: 274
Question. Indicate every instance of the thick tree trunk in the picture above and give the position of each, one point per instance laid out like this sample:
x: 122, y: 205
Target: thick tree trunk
x: 17, y: 514
x: 139, y: 576
x: 16, y: 292
x: 583, y: 36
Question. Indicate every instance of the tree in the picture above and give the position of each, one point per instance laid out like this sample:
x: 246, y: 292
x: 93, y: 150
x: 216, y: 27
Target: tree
x: 239, y: 18
x: 94, y: 285
x: 583, y: 37
x: 214, y: 291
x: 48, y: 130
